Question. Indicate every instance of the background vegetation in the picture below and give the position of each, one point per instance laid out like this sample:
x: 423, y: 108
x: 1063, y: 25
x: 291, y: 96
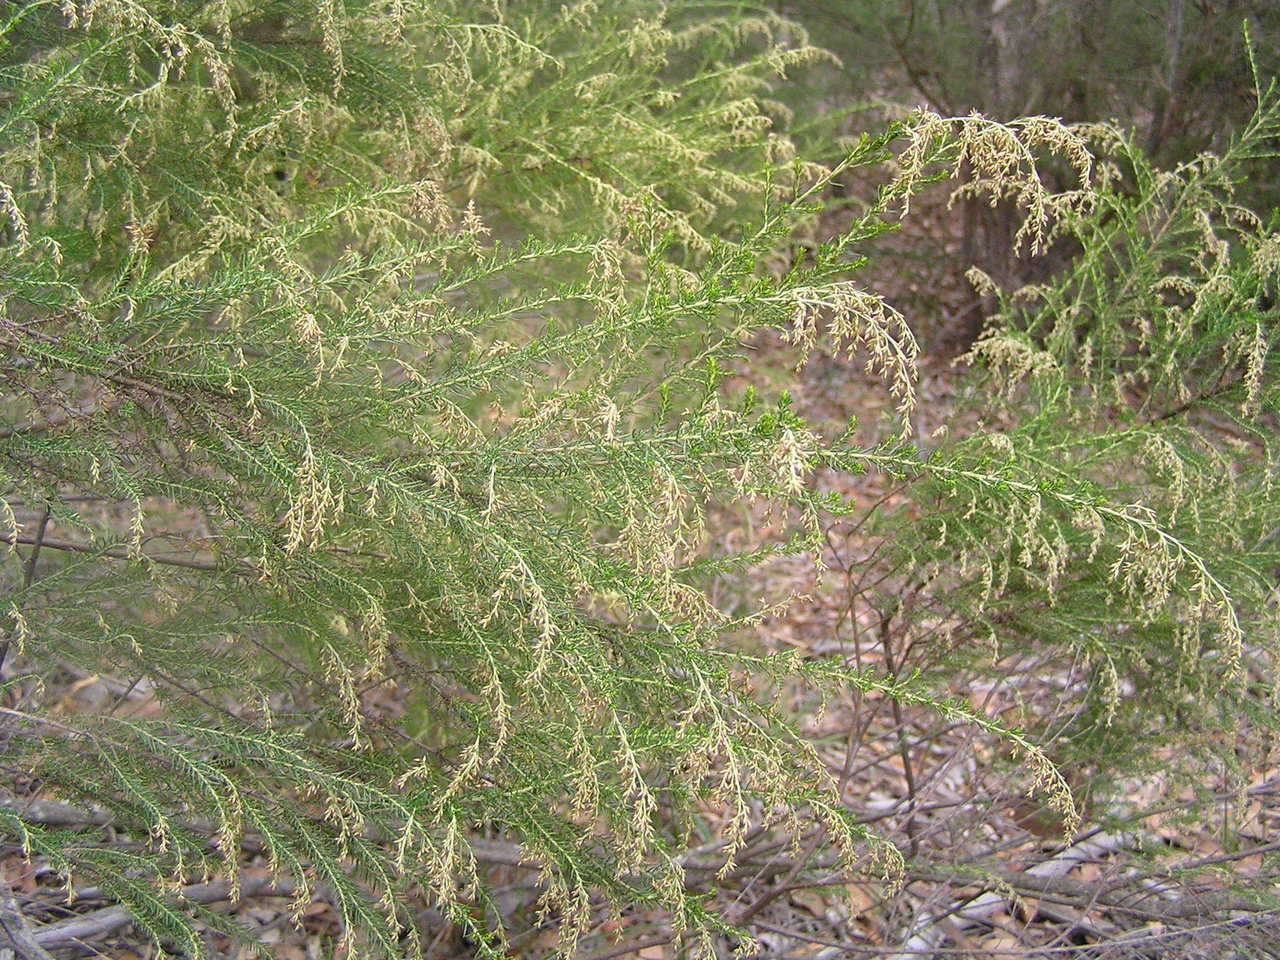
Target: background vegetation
x: 421, y: 538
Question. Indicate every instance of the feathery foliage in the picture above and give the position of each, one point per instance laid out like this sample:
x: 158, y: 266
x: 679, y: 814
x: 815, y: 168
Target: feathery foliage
x: 363, y: 347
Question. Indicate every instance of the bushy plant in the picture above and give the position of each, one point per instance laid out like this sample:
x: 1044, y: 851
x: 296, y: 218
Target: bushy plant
x: 1175, y: 74
x: 364, y: 399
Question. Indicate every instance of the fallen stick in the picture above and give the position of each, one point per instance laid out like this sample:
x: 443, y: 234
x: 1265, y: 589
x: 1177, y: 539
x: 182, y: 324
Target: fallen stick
x: 16, y: 934
x: 69, y: 932
x: 1049, y: 879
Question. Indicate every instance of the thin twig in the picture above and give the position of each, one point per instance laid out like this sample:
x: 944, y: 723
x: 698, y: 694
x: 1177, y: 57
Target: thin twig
x: 28, y: 577
x: 29, y: 571
x: 118, y: 553
x: 899, y: 723
x: 1021, y: 951
x: 625, y: 948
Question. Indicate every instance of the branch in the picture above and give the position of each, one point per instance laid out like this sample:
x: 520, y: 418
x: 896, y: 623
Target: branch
x: 15, y: 932
x: 28, y: 576
x: 118, y: 553
x: 69, y: 933
x: 1049, y: 879
x: 633, y: 946
x: 53, y: 813
x: 58, y: 421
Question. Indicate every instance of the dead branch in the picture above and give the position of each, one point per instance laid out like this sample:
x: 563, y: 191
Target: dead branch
x: 15, y: 933
x: 67, y: 933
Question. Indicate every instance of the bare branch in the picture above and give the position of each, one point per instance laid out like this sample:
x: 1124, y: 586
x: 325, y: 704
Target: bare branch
x: 118, y: 553
x: 67, y: 933
x: 15, y: 932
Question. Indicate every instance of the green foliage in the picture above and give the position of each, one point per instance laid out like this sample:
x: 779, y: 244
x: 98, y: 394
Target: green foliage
x: 354, y: 348
x: 1174, y: 72
x: 1145, y: 371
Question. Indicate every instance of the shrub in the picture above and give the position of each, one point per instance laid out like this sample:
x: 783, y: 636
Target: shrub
x: 365, y: 403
